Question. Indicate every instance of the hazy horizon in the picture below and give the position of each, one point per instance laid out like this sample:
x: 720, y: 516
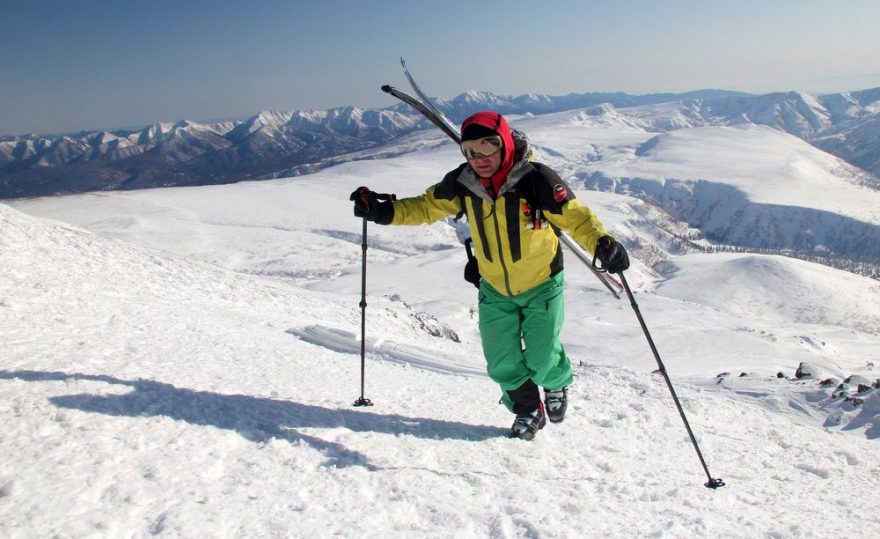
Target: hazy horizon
x: 70, y: 67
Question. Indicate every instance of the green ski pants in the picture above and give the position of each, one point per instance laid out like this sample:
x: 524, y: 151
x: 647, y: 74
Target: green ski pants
x: 520, y: 336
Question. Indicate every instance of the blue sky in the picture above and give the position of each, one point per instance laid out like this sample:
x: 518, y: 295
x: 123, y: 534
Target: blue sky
x: 67, y: 66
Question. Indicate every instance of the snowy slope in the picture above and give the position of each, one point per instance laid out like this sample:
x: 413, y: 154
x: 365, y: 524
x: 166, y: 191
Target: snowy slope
x: 764, y: 287
x: 151, y: 395
x: 770, y: 167
x: 187, y: 368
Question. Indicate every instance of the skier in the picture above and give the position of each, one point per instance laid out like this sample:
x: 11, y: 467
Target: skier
x: 506, y: 197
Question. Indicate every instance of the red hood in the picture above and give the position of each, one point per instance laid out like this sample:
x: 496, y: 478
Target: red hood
x: 497, y: 123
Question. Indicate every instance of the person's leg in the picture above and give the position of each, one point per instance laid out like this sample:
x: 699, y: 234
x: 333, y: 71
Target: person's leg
x: 543, y: 317
x: 501, y: 335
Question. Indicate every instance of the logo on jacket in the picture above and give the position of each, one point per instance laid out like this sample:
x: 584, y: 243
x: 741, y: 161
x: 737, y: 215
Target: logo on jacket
x: 559, y: 192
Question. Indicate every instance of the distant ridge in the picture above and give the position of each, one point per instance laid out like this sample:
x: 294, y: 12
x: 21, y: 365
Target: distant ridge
x: 273, y: 143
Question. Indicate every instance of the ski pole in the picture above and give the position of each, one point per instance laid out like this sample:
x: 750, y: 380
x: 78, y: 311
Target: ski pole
x: 363, y: 304
x: 362, y: 401
x: 713, y: 483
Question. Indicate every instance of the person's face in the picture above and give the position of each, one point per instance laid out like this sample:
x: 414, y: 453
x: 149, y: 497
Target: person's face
x: 484, y: 166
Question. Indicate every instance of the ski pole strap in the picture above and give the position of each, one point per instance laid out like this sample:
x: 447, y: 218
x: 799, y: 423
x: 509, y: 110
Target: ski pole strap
x: 597, y: 267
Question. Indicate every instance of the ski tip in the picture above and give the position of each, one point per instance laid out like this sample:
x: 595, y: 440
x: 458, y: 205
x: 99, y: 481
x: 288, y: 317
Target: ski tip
x: 402, y: 62
x: 386, y: 88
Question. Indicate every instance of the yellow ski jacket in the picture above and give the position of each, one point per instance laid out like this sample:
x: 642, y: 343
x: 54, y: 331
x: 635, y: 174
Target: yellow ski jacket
x: 514, y: 252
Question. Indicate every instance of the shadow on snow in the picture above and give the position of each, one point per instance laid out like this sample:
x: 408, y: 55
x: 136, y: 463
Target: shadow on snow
x: 254, y: 418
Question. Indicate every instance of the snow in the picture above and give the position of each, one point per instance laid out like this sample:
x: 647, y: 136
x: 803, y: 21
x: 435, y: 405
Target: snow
x: 183, y: 362
x: 785, y: 161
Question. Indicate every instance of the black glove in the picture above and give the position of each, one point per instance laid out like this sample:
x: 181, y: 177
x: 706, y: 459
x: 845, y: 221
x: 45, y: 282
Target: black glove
x: 368, y: 205
x: 472, y: 268
x: 611, y: 254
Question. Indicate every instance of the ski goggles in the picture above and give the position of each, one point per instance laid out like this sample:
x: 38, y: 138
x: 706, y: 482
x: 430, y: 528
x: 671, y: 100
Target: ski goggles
x: 481, y: 147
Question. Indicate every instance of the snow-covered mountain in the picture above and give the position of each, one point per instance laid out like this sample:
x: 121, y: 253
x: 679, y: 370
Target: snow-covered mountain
x: 184, y: 361
x: 269, y: 144
x: 191, y: 153
x: 752, y: 186
x: 275, y: 144
x: 846, y: 125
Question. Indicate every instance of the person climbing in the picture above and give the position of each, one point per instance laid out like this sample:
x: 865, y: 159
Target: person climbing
x: 508, y: 201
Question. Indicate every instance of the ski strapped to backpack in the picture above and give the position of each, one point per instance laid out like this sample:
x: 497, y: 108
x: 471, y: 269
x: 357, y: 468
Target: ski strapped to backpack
x: 446, y: 126
x: 430, y: 111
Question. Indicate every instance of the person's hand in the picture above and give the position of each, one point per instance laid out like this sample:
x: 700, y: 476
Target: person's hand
x: 612, y: 255
x: 368, y: 205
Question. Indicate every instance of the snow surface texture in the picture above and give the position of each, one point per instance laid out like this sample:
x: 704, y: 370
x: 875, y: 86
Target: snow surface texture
x: 185, y: 363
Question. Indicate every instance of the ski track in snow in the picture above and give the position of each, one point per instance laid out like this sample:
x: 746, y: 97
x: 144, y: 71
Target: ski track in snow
x: 150, y: 390
x: 350, y: 343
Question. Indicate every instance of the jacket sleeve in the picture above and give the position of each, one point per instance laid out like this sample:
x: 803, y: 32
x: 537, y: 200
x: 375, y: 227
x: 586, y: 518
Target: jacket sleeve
x: 438, y: 201
x: 565, y: 211
x: 579, y: 221
x: 425, y: 208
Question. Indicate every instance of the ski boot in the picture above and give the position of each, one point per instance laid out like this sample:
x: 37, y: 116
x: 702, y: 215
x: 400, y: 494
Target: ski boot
x: 556, y: 402
x: 526, y: 425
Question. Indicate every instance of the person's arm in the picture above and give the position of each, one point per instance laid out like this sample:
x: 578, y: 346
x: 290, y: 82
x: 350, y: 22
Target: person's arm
x: 559, y: 205
x: 580, y: 222
x: 425, y: 208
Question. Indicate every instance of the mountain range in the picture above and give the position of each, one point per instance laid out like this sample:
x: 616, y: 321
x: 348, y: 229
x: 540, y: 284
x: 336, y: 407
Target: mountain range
x: 278, y: 144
